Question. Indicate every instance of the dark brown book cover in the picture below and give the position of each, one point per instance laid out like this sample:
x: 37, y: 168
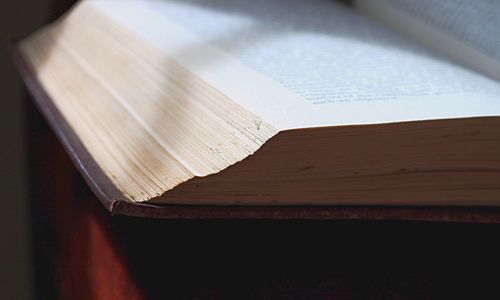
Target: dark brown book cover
x: 115, y: 203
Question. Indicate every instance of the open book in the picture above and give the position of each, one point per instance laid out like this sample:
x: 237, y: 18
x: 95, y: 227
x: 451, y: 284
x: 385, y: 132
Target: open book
x: 233, y: 102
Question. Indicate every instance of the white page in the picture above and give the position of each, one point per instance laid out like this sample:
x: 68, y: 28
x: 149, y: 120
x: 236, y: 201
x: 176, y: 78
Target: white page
x: 308, y: 63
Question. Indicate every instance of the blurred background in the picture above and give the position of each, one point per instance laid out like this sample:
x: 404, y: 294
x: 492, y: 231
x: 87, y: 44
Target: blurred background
x: 18, y: 18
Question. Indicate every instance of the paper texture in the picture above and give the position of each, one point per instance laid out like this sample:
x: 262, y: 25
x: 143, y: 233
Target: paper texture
x: 308, y: 63
x: 466, y: 31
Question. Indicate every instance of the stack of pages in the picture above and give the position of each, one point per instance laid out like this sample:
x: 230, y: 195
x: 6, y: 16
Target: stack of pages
x: 274, y: 103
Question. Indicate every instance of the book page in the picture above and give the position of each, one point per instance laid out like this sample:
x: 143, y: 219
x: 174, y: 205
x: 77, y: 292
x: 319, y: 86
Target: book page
x: 466, y: 31
x: 308, y: 63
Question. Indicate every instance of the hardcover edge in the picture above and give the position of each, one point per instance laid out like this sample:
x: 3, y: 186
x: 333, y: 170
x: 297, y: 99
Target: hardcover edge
x: 112, y: 199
